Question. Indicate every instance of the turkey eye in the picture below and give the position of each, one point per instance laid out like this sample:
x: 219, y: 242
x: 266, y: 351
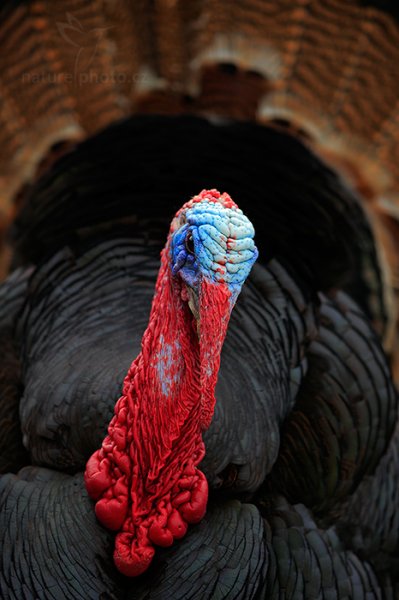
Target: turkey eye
x: 190, y: 244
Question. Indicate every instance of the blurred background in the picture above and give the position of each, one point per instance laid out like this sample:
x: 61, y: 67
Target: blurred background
x: 324, y: 71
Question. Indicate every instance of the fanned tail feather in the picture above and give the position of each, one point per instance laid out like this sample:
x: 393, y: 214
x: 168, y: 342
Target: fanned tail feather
x: 326, y: 70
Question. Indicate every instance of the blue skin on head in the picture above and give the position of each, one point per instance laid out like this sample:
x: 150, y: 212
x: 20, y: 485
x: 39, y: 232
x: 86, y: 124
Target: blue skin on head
x: 214, y: 242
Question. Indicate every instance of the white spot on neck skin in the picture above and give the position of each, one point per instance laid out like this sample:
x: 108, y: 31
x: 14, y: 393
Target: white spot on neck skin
x: 164, y: 365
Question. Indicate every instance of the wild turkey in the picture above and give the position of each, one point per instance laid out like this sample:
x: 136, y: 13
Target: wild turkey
x: 302, y: 451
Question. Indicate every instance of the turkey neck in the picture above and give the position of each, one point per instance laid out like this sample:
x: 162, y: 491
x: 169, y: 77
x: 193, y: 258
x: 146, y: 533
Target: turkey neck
x: 171, y: 385
x: 144, y: 477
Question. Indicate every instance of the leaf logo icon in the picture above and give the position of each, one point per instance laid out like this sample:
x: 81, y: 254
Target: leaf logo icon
x: 86, y: 42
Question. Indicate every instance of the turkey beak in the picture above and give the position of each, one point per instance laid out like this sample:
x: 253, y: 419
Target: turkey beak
x: 193, y: 304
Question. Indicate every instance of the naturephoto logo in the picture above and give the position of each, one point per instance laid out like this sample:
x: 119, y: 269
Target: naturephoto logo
x: 86, y: 44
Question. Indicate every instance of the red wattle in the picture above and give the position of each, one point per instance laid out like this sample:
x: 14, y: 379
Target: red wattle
x: 97, y: 477
x: 111, y: 509
x: 177, y: 525
x: 193, y: 510
x: 130, y: 558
